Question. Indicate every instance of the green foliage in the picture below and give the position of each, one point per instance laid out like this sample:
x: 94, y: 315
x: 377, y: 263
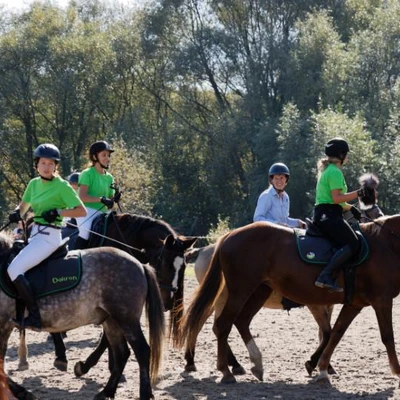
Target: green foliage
x: 219, y: 229
x: 200, y: 98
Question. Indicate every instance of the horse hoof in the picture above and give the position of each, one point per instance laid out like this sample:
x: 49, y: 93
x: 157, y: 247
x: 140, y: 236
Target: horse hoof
x: 228, y: 379
x: 322, y: 380
x: 238, y: 370
x: 309, y: 367
x: 102, y: 396
x: 190, y: 368
x: 23, y: 366
x: 331, y: 370
x: 257, y: 373
x: 61, y: 365
x: 78, y: 369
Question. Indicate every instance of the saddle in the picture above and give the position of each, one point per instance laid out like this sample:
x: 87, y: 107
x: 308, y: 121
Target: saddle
x: 315, y: 248
x: 99, y: 229
x: 60, y: 272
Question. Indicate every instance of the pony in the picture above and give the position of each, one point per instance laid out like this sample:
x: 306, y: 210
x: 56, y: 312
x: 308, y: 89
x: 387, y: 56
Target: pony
x: 254, y: 260
x: 322, y: 315
x: 149, y: 240
x: 113, y: 291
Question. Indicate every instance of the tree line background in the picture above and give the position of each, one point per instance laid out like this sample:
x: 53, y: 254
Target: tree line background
x: 200, y: 97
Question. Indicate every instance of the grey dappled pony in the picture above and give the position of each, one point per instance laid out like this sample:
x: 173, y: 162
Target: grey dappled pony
x: 114, y: 290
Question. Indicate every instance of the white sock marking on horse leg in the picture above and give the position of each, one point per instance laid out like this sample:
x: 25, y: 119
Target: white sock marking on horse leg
x: 255, y: 354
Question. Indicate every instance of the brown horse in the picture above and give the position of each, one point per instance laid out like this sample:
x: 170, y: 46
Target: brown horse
x: 260, y: 258
x: 321, y: 314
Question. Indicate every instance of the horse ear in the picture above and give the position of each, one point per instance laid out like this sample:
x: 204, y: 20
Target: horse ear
x: 169, y: 240
x: 188, y: 242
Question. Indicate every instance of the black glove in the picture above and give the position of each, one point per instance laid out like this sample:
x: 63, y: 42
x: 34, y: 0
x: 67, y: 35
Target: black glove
x: 117, y: 197
x: 361, y: 192
x: 109, y: 203
x: 15, y: 216
x: 356, y: 212
x: 50, y: 215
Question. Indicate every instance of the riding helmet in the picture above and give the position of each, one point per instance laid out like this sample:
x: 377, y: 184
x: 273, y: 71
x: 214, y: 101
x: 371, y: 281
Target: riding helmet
x: 74, y: 177
x: 97, y: 147
x: 279, y: 169
x: 47, y: 150
x: 337, y: 147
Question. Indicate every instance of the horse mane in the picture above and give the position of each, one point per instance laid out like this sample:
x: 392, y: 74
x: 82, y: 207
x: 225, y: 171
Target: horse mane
x: 6, y: 242
x: 133, y: 223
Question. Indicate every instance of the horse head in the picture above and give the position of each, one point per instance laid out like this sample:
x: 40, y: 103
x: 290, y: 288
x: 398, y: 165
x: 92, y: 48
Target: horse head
x: 369, y: 182
x: 170, y: 273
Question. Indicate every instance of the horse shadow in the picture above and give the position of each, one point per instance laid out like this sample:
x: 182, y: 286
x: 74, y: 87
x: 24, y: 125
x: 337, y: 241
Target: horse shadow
x: 35, y: 384
x: 210, y: 388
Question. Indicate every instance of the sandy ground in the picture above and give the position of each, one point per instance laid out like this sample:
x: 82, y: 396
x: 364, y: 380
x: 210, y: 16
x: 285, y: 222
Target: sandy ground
x: 286, y: 341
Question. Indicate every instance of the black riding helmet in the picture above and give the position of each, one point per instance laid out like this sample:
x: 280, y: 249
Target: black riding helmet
x: 279, y: 169
x: 47, y: 150
x: 337, y: 147
x: 97, y: 147
x: 74, y: 177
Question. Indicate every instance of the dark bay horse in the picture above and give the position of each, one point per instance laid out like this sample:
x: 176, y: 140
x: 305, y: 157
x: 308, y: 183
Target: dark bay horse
x: 114, y: 290
x: 321, y: 313
x: 260, y: 258
x: 151, y: 241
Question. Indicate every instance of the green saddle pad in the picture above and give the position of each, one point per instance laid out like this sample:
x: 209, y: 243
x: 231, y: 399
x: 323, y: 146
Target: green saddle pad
x: 319, y: 250
x: 51, y: 276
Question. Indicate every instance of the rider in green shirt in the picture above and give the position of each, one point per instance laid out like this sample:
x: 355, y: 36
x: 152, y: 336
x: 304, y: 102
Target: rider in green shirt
x: 51, y: 199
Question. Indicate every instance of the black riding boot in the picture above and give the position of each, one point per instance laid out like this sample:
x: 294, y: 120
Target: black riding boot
x: 33, y: 320
x: 325, y: 279
x: 80, y: 243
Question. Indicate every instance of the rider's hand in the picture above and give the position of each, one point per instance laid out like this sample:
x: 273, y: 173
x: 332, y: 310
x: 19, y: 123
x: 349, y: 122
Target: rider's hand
x: 109, y: 203
x: 15, y: 216
x: 302, y: 224
x: 117, y: 197
x: 50, y: 215
x: 356, y: 213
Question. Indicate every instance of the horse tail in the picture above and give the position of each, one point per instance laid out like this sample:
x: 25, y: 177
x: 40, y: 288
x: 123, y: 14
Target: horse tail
x: 204, y: 300
x: 156, y: 320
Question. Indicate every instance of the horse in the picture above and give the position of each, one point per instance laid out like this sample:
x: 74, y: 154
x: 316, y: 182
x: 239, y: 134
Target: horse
x: 259, y: 258
x: 321, y: 314
x: 113, y: 291
x: 151, y: 241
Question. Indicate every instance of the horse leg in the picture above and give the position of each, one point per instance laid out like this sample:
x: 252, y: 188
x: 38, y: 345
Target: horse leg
x: 242, y: 323
x: 61, y: 362
x: 345, y: 318
x: 19, y: 391
x: 141, y: 349
x: 322, y: 315
x: 23, y: 364
x: 117, y: 345
x: 221, y: 328
x: 82, y: 367
x: 385, y: 322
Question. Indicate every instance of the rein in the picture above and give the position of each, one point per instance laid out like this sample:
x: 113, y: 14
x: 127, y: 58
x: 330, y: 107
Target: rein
x: 5, y: 226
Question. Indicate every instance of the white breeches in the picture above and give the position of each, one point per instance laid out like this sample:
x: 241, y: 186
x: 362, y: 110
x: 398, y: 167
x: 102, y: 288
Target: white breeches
x: 85, y: 223
x: 44, y: 241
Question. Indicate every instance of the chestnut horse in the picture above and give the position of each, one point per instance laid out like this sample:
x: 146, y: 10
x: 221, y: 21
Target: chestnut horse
x: 259, y: 258
x: 321, y: 314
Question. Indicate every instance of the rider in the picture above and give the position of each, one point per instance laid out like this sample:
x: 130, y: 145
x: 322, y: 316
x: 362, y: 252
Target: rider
x: 273, y: 204
x: 331, y: 198
x: 51, y: 199
x: 71, y: 226
x: 95, y: 189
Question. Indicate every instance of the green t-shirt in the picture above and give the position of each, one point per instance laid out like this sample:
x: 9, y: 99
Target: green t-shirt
x: 45, y: 195
x: 98, y: 185
x: 331, y: 178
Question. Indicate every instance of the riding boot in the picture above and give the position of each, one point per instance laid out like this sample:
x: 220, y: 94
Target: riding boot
x: 80, y: 243
x: 325, y: 279
x: 33, y: 320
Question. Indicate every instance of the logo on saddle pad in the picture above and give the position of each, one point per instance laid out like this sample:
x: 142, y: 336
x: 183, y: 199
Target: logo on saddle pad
x: 310, y: 255
x: 61, y: 279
